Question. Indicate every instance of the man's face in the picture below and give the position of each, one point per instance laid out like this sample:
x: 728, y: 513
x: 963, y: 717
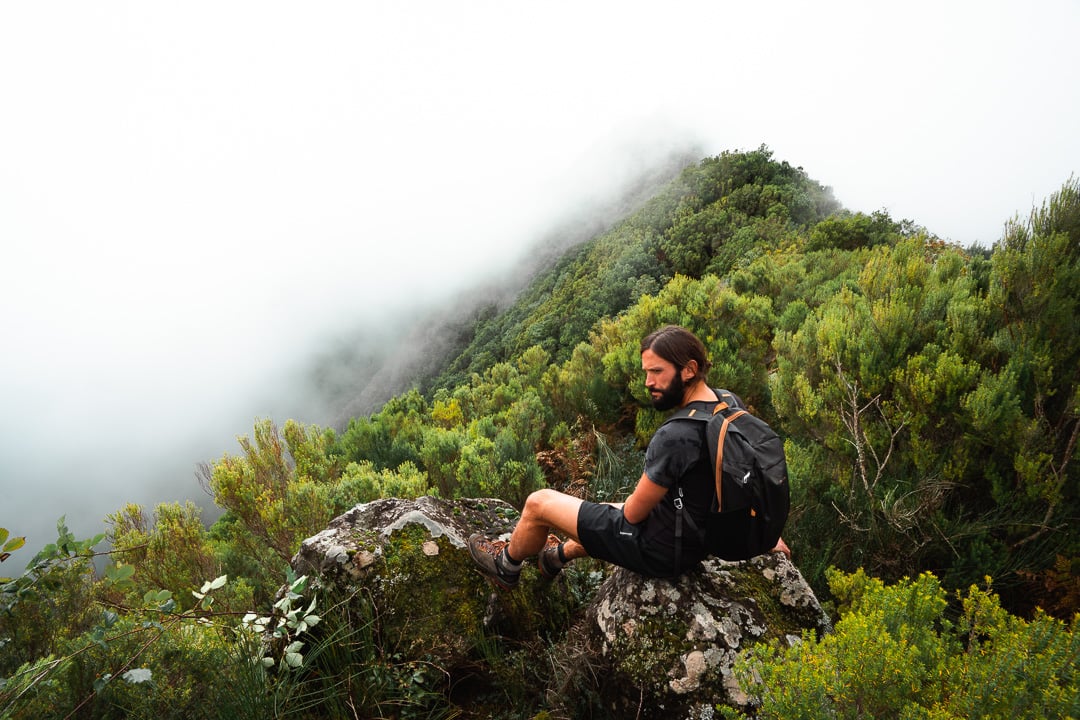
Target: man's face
x: 663, y: 381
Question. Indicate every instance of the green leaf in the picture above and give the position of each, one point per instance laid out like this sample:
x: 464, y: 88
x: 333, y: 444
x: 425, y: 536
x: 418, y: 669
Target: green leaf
x: 213, y: 584
x: 14, y: 544
x: 118, y: 574
x: 98, y: 636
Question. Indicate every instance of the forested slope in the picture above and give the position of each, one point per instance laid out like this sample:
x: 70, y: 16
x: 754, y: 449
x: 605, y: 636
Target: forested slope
x: 716, y: 213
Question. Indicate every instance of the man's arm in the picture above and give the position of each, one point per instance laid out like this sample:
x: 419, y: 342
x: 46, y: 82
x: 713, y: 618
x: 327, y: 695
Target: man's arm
x: 643, y: 499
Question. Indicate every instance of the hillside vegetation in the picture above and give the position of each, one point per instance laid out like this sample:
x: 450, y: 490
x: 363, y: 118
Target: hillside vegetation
x: 928, y: 396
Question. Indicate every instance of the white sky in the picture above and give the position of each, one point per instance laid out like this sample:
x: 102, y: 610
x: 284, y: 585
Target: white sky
x: 196, y: 197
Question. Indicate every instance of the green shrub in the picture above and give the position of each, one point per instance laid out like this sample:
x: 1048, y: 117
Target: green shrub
x: 895, y: 653
x: 140, y: 671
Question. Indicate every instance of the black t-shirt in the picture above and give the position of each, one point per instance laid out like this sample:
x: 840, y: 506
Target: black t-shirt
x: 677, y: 453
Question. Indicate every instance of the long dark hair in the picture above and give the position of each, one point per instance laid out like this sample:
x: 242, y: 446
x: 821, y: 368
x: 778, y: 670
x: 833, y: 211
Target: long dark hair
x: 678, y: 346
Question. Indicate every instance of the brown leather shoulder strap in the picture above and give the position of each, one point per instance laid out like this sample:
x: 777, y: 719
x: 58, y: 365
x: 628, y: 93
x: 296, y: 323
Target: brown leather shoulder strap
x: 719, y: 471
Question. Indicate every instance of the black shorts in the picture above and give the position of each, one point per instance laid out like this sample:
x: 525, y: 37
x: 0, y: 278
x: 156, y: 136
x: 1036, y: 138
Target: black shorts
x: 606, y: 535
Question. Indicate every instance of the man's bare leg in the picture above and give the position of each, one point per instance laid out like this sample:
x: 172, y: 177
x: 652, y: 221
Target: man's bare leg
x: 544, y: 511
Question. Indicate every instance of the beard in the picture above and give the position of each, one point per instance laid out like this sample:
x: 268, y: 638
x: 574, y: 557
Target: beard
x: 671, y: 396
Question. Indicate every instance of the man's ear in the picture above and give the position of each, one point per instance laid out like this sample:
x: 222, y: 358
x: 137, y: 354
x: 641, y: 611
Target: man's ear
x: 690, y: 367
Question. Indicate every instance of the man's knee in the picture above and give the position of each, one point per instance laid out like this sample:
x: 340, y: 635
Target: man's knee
x: 539, y: 500
x: 552, y: 509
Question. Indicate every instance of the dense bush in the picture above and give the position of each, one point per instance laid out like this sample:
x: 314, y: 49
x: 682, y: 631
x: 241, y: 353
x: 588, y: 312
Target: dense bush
x: 898, y: 651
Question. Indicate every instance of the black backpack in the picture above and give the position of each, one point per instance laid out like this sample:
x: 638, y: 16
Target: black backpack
x: 752, y: 493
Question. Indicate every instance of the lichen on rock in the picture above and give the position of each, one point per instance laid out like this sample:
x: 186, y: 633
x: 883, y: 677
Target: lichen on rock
x: 672, y: 644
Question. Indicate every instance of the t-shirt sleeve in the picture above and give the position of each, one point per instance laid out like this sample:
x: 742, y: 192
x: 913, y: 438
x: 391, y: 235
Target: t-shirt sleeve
x: 673, y: 449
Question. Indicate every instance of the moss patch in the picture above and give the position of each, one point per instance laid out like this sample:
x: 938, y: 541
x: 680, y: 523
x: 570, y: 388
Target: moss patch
x: 428, y: 603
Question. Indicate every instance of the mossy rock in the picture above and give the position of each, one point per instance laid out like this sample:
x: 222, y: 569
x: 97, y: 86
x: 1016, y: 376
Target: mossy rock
x: 408, y: 561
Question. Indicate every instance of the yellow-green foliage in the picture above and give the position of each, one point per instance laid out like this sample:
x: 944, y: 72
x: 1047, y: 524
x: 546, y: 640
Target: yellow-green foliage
x: 361, y: 482
x: 482, y: 440
x: 172, y: 552
x: 895, y: 653
x: 255, y: 487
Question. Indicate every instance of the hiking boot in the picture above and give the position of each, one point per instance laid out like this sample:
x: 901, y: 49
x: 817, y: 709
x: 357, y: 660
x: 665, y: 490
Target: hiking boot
x: 485, y: 553
x: 548, y: 559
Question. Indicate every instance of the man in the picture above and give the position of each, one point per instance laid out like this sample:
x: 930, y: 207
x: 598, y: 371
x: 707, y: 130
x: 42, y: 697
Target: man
x: 638, y: 534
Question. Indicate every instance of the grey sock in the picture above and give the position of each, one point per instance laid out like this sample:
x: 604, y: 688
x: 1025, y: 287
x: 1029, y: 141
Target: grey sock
x: 506, y: 563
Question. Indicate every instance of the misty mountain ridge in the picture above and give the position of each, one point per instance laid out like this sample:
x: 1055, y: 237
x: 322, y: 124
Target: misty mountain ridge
x: 502, y: 315
x: 928, y: 397
x: 412, y: 347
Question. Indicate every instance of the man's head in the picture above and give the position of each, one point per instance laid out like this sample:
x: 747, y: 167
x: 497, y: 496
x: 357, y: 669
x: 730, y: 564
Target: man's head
x: 673, y: 360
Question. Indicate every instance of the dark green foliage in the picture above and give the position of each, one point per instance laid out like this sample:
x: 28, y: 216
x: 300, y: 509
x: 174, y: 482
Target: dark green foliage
x: 845, y: 231
x: 737, y: 206
x: 350, y: 670
x: 389, y: 437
